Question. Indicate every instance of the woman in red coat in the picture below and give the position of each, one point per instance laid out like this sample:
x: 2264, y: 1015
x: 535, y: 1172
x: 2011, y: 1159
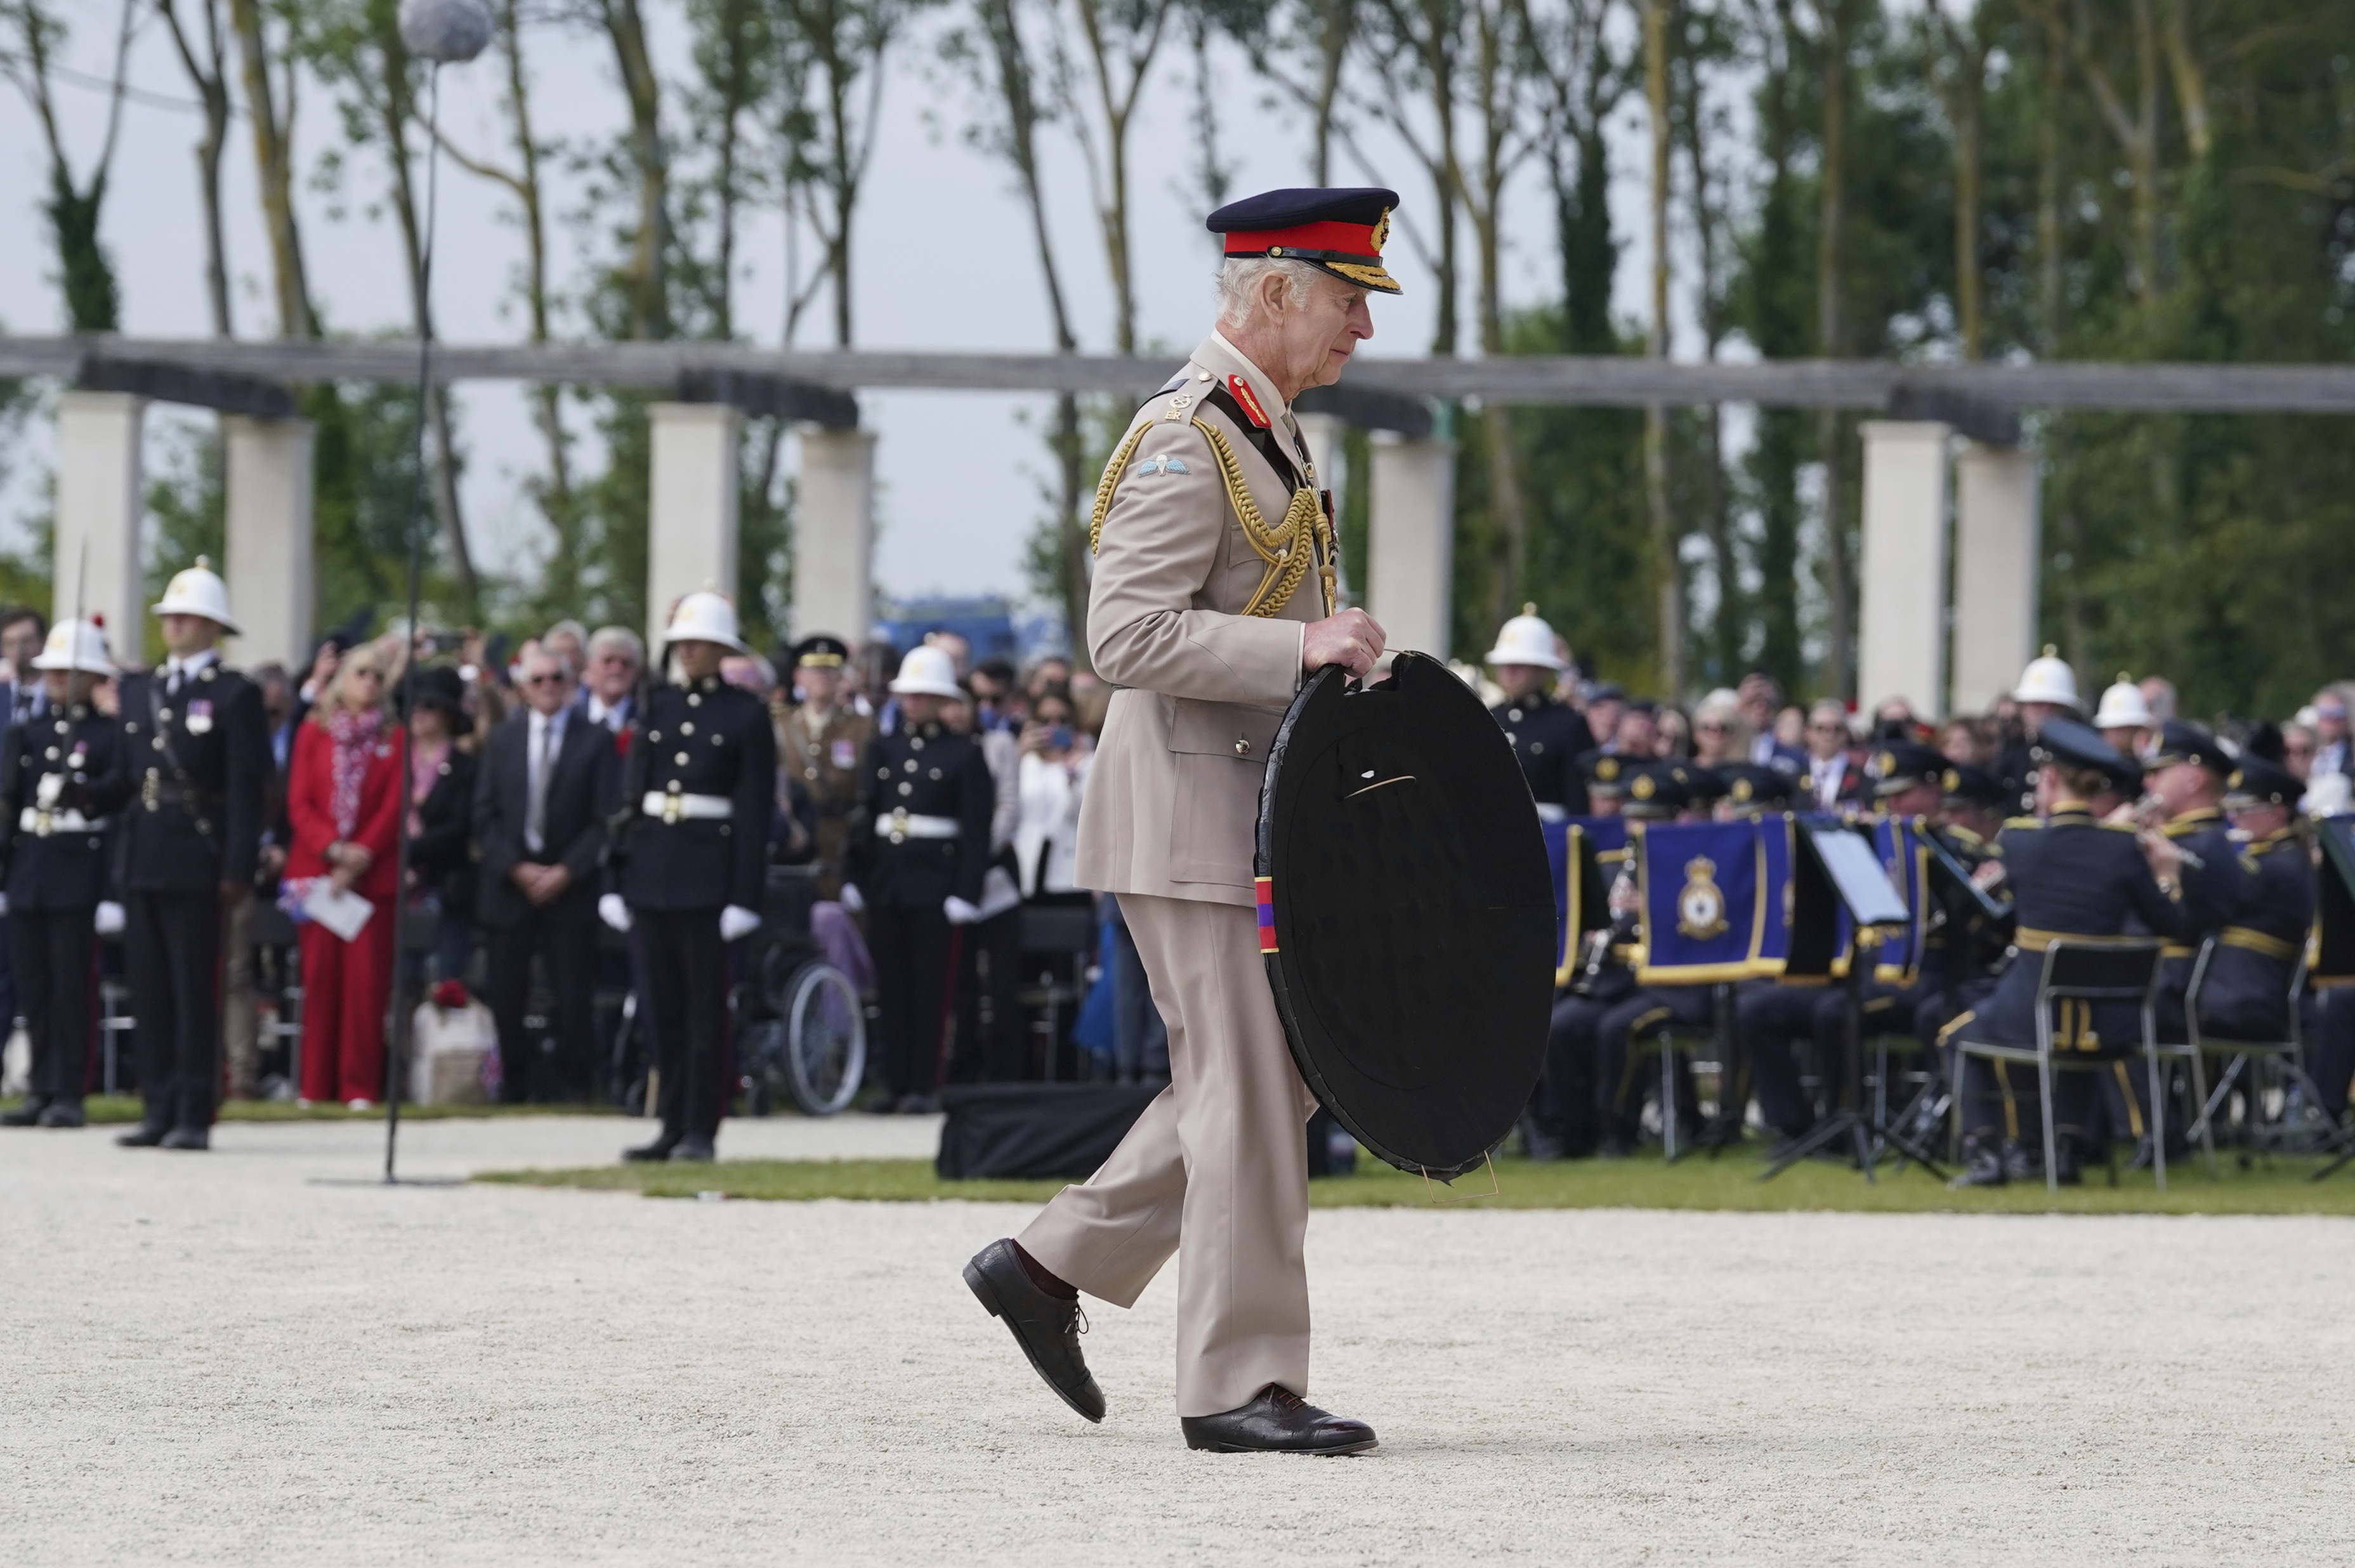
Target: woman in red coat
x: 342, y: 798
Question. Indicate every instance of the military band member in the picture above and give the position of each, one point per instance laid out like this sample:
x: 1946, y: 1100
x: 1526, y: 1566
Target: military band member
x: 199, y: 750
x: 2246, y: 993
x: 1547, y: 736
x: 2072, y: 874
x: 62, y: 778
x: 927, y: 797
x: 821, y: 744
x: 698, y: 788
x: 2183, y: 784
x: 1213, y: 594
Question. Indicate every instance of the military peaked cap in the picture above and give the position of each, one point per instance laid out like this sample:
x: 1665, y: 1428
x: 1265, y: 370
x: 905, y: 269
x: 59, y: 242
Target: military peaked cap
x: 1751, y: 788
x: 1976, y: 787
x: 821, y: 652
x: 1654, y: 789
x: 2260, y: 782
x: 1336, y: 229
x: 2076, y: 745
x: 2180, y: 741
x: 1899, y: 765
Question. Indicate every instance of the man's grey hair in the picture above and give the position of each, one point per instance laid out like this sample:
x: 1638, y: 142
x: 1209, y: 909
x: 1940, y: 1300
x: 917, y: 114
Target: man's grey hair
x: 567, y: 628
x: 620, y: 637
x: 1239, y: 281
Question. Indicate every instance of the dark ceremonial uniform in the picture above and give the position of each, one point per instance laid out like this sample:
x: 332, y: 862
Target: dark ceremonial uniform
x: 1548, y: 738
x: 197, y: 745
x: 62, y: 780
x: 2070, y: 875
x: 927, y: 795
x: 2211, y: 892
x: 697, y: 792
x: 2246, y: 993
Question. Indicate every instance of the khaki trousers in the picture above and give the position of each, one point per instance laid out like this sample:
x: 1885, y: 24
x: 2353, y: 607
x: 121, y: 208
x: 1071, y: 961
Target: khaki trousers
x: 1216, y: 1170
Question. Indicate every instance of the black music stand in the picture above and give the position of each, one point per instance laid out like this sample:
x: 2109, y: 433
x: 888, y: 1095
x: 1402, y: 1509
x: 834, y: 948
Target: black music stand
x: 1836, y: 871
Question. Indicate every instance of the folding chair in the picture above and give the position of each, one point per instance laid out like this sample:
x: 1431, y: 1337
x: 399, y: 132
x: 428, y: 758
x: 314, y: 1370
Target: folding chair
x: 1661, y: 1041
x: 2282, y: 1054
x: 2083, y: 969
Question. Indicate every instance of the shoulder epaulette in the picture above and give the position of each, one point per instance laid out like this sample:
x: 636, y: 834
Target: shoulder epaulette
x: 2119, y: 826
x: 2023, y: 822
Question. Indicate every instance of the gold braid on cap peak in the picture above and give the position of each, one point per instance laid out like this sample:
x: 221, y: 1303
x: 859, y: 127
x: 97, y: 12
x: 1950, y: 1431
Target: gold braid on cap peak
x: 1287, y: 547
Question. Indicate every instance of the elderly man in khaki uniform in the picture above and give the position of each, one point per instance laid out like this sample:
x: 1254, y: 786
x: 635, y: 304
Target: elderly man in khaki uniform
x: 1213, y: 596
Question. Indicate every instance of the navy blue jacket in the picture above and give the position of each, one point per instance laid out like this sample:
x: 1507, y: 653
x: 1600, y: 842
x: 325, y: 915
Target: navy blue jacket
x: 54, y: 871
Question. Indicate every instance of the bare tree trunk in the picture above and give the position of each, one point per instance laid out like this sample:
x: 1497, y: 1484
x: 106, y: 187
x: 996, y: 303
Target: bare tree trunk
x: 1717, y: 519
x: 270, y: 117
x: 1667, y: 566
x: 650, y: 248
x: 209, y: 76
x: 1116, y: 100
x: 1831, y: 332
x: 1966, y: 51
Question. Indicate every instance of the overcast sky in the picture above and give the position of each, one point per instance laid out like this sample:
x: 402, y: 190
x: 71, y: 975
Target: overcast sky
x: 942, y: 254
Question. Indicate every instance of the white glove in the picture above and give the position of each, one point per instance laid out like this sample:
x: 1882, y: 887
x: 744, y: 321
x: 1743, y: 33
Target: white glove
x: 851, y: 901
x: 110, y: 920
x: 613, y: 912
x: 4, y: 903
x: 959, y: 912
x: 736, y: 920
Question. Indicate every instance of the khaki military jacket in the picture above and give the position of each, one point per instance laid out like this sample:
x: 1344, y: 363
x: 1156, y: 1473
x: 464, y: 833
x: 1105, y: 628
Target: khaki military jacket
x: 1172, y: 800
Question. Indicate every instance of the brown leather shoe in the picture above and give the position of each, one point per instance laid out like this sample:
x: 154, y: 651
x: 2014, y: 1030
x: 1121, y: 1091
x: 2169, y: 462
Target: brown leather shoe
x: 1277, y: 1421
x: 1046, y: 1326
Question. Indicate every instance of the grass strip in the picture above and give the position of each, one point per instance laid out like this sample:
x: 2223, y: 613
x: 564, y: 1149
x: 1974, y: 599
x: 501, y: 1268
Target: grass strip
x: 1730, y: 1182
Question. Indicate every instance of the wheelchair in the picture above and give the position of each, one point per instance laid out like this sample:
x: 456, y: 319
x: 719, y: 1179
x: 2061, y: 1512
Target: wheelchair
x: 800, y: 1024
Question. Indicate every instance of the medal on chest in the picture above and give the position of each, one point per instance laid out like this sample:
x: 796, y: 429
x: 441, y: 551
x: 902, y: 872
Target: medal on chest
x: 200, y: 719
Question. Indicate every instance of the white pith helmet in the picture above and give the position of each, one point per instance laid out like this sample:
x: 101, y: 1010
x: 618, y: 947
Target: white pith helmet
x: 2123, y: 706
x: 927, y: 671
x: 76, y: 646
x: 198, y: 590
x: 1526, y: 639
x: 2049, y: 679
x: 705, y: 616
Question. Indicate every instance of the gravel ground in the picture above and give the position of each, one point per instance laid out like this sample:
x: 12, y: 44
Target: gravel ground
x: 217, y: 1359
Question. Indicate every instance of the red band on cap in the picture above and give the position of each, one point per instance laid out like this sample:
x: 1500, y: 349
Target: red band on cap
x: 1350, y: 238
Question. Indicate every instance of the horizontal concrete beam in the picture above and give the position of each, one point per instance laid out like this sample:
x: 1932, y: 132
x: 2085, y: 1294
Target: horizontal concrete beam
x: 169, y: 381
x: 771, y: 395
x: 1868, y: 385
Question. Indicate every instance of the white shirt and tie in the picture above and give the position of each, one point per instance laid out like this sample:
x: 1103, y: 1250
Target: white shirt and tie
x: 1823, y: 776
x: 178, y: 671
x: 543, y: 745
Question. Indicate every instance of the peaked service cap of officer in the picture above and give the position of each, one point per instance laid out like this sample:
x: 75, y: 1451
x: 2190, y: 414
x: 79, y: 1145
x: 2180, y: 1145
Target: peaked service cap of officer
x: 1336, y: 229
x: 2180, y: 741
x: 1899, y: 765
x: 1525, y: 639
x: 1606, y: 772
x: 1974, y: 787
x: 2072, y: 744
x: 1753, y: 788
x: 76, y: 646
x: 1654, y: 789
x: 821, y: 652
x: 197, y: 590
x: 2257, y: 781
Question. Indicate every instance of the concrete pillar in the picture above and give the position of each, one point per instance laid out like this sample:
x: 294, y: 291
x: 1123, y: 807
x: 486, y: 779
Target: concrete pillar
x: 97, y: 558
x: 833, y: 535
x: 1901, y: 577
x: 1998, y: 544
x: 691, y: 525
x: 272, y: 583
x: 1410, y: 535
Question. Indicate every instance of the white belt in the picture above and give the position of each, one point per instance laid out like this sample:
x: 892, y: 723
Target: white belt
x: 33, y: 819
x: 687, y: 807
x: 901, y: 825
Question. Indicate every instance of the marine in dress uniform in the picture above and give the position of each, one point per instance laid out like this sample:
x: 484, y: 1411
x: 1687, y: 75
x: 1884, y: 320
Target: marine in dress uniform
x: 2071, y: 874
x: 1547, y: 735
x: 692, y: 831
x: 820, y: 743
x: 927, y: 797
x: 1213, y: 594
x: 200, y: 761
x: 62, y: 778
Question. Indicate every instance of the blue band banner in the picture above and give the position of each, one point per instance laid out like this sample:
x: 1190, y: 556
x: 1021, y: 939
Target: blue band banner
x: 1704, y: 894
x: 1574, y: 845
x: 1775, y: 850
x: 1897, y: 841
